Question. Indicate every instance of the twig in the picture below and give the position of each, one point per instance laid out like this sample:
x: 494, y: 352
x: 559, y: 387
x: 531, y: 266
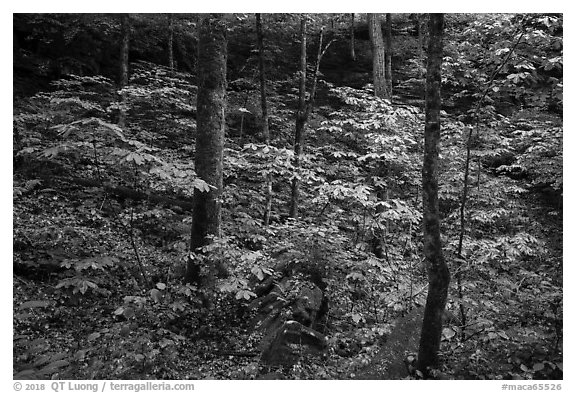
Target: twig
x: 323, y: 209
x: 130, y: 232
x: 20, y: 279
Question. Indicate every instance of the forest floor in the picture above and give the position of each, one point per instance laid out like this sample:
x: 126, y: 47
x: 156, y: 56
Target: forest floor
x: 83, y: 309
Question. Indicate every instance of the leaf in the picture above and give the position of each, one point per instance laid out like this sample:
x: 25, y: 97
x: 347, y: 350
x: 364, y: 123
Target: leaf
x: 35, y: 304
x: 257, y: 271
x: 165, y: 342
x: 448, y: 333
x: 93, y: 336
x: 52, y: 152
x: 246, y: 294
x: 129, y: 312
x: 55, y: 366
x: 538, y: 367
x: 119, y: 311
x: 201, y: 185
x: 356, y: 276
x: 156, y: 295
x: 135, y: 157
x: 161, y: 286
x: 356, y: 318
x: 24, y: 374
x: 524, y: 368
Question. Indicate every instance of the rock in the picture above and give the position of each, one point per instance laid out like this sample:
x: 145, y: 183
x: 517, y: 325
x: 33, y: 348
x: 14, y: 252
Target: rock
x: 290, y: 305
x: 306, y: 307
x: 291, y: 340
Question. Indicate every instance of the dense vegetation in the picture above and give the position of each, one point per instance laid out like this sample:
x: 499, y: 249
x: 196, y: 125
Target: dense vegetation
x: 104, y: 183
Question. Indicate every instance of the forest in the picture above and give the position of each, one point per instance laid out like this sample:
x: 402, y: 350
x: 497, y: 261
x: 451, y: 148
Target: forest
x: 287, y: 196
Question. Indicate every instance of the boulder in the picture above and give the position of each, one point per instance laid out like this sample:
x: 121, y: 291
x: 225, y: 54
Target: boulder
x: 289, y: 342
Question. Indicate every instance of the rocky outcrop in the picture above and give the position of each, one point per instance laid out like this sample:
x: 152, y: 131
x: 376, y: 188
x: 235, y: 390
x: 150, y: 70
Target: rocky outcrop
x: 290, y: 312
x: 289, y: 342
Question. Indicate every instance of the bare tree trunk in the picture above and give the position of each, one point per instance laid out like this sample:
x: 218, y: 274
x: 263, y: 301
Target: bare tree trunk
x: 124, y: 64
x: 264, y: 105
x: 352, y: 40
x: 171, y: 42
x: 304, y: 109
x: 206, y: 214
x: 300, y: 121
x: 388, y: 57
x: 378, y: 56
x: 438, y: 274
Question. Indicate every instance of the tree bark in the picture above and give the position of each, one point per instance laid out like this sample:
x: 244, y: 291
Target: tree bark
x: 171, y: 42
x: 124, y: 64
x: 378, y: 56
x: 438, y: 274
x: 210, y: 118
x: 264, y: 105
x: 388, y: 56
x: 300, y: 121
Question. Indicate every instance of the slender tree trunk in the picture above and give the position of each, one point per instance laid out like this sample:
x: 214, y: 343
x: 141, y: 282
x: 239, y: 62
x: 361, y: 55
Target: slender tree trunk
x: 300, y: 121
x: 352, y: 40
x: 388, y: 57
x: 465, y: 186
x: 206, y: 215
x: 420, y: 27
x: 438, y: 274
x: 264, y: 105
x: 124, y: 64
x: 171, y: 42
x: 378, y: 56
x: 304, y: 108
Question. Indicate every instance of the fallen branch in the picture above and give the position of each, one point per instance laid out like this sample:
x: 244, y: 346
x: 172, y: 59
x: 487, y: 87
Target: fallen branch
x: 130, y: 193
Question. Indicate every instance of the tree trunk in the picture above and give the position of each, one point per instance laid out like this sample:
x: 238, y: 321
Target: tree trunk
x: 304, y: 109
x: 124, y: 61
x: 378, y: 56
x: 438, y: 274
x: 352, y: 40
x: 300, y: 121
x: 419, y: 26
x: 171, y: 42
x: 388, y: 57
x: 211, y: 104
x: 264, y: 105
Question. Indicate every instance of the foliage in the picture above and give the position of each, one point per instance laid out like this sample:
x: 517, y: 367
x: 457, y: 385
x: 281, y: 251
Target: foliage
x: 531, y: 77
x: 97, y: 274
